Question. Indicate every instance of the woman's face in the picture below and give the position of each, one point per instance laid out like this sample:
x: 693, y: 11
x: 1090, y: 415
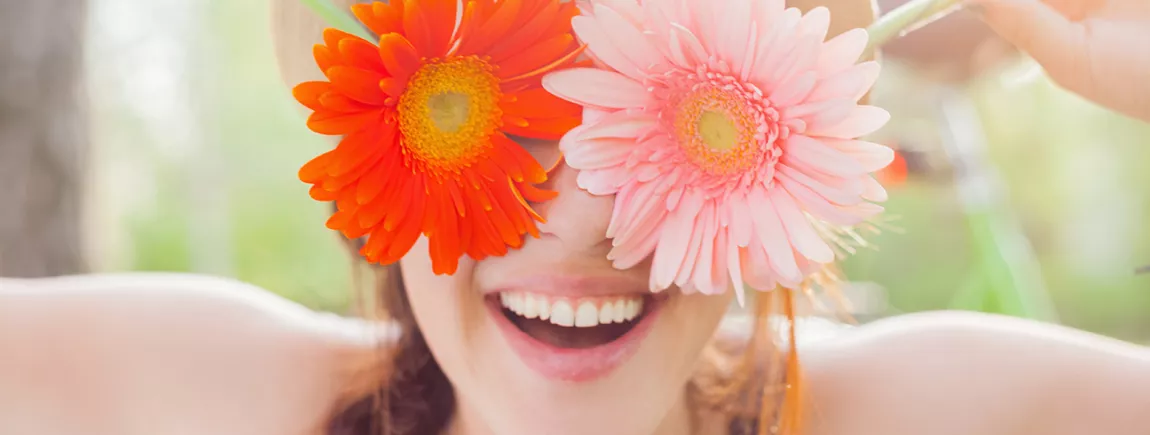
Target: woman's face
x: 552, y: 339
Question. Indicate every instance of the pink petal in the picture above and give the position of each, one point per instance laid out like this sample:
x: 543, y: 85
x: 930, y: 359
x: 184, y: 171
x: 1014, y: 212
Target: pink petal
x: 851, y: 84
x: 598, y: 153
x: 794, y: 91
x: 600, y: 45
x: 841, y: 52
x: 698, y: 233
x: 592, y: 115
x: 686, y: 49
x: 596, y: 87
x: 603, y: 181
x: 719, y: 262
x: 861, y: 121
x: 873, y: 157
x: 751, y: 260
x: 815, y: 23
x: 772, y: 235
x: 814, y: 154
x: 704, y: 265
x: 736, y: 272
x: 802, y: 235
x: 740, y: 225
x: 873, y: 190
x: 635, y: 209
x: 630, y: 255
x: 775, y: 40
x: 766, y: 12
x: 833, y: 194
x: 618, y: 124
x: 816, y: 205
x: 671, y: 250
x: 801, y: 58
x: 628, y: 9
x: 734, y: 32
x: 628, y: 39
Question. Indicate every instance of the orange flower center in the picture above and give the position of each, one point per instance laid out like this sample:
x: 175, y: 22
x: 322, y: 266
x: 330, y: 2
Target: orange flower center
x: 717, y: 130
x: 449, y: 111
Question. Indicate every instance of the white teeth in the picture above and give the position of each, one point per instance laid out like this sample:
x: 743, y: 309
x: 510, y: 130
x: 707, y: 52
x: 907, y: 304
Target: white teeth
x: 543, y: 306
x: 580, y: 313
x: 561, y: 314
x: 530, y: 311
x: 607, y: 313
x: 587, y: 315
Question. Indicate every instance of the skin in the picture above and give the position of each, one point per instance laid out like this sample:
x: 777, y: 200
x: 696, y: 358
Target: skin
x: 175, y: 354
x: 1099, y: 49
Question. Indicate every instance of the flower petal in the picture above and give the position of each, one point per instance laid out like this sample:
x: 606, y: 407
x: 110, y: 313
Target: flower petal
x: 841, y: 52
x: 627, y: 39
x: 861, y: 121
x: 595, y: 87
x: 773, y: 236
x: 799, y: 230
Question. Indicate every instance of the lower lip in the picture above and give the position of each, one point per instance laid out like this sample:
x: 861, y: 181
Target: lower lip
x: 574, y: 365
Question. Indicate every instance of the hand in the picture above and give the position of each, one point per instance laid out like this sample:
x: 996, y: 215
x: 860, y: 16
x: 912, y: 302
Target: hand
x: 1099, y: 49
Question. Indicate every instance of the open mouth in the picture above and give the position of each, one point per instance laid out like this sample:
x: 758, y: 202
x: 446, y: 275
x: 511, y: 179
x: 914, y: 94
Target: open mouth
x: 574, y: 339
x: 573, y: 324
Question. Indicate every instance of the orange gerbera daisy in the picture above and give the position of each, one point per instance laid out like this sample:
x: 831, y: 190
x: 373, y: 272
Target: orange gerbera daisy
x: 425, y: 117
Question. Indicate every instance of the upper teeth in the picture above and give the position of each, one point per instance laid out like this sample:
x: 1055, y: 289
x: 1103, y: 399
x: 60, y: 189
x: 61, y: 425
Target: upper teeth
x: 581, y: 313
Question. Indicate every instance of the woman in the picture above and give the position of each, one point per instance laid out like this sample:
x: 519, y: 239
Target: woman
x: 167, y: 354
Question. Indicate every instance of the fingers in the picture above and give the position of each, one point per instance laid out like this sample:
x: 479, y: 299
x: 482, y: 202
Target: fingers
x: 1036, y: 28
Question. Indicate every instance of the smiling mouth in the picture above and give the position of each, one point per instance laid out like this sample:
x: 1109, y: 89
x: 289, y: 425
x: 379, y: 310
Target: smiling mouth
x: 567, y: 323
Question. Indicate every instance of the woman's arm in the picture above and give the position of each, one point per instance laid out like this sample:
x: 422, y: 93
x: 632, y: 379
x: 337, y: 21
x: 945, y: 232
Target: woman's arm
x: 966, y: 373
x: 171, y: 354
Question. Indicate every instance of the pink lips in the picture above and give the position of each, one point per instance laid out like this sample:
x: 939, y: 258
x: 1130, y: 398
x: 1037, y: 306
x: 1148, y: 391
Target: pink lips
x: 574, y: 365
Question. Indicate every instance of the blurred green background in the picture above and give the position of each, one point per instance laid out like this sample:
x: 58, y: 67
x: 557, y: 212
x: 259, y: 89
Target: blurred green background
x: 197, y: 143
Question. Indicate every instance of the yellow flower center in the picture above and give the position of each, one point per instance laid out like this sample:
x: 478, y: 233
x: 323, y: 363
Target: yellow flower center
x: 449, y: 111
x: 717, y: 130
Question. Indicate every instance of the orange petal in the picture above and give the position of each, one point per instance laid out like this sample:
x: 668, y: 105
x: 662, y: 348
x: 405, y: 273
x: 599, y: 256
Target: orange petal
x: 537, y: 56
x: 408, y: 232
x: 317, y: 193
x: 548, y: 129
x: 416, y: 23
x: 538, y: 103
x: 391, y: 13
x: 535, y: 194
x: 338, y: 102
x: 332, y: 37
x: 362, y: 85
x: 494, y: 29
x: 325, y: 57
x: 469, y: 23
x: 399, y: 55
x: 331, y: 123
x: 441, y: 15
x: 366, y: 15
x: 527, y: 35
x: 537, y: 73
x: 393, y: 86
x: 316, y: 169
x: 361, y: 54
x: 309, y: 93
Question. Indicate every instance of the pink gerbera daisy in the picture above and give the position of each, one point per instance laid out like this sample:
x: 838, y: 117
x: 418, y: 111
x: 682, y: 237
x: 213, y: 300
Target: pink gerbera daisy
x: 727, y: 132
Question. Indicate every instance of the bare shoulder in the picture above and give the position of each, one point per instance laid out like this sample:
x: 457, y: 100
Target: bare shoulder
x: 164, y: 353
x: 962, y: 373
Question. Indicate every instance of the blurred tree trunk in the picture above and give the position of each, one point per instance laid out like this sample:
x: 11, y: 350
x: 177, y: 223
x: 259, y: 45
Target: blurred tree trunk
x: 43, y: 136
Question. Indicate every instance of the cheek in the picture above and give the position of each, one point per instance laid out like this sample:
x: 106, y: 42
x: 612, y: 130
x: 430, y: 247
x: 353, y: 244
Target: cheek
x: 691, y: 324
x: 445, y: 307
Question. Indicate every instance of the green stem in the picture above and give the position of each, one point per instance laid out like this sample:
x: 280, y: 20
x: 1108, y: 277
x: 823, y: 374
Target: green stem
x: 338, y: 18
x: 908, y: 18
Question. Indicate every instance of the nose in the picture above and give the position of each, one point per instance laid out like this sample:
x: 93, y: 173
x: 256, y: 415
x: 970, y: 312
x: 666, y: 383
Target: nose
x: 575, y: 217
